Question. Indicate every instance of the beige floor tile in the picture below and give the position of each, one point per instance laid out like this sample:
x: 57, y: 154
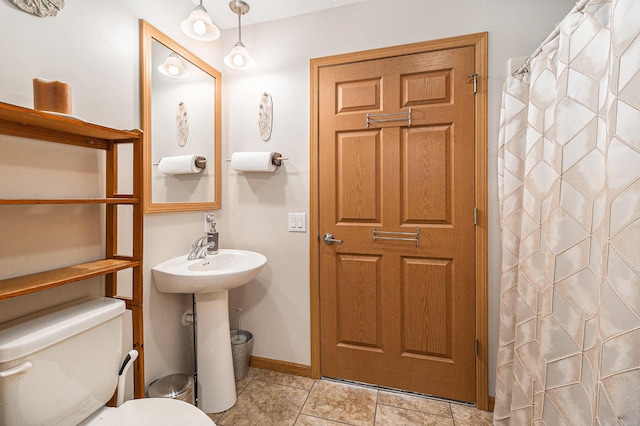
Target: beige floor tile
x: 305, y: 420
x: 416, y: 403
x: 242, y: 383
x: 272, y: 398
x: 285, y: 379
x: 471, y: 416
x: 342, y: 403
x: 263, y: 403
x: 386, y: 415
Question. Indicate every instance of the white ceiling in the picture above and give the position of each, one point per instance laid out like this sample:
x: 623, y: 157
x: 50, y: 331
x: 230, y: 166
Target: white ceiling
x: 266, y: 10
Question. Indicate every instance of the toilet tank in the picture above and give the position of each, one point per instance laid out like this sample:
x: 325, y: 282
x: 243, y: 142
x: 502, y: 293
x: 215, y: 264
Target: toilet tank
x: 60, y: 365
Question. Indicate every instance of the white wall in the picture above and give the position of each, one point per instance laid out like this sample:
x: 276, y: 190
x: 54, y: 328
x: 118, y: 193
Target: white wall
x: 93, y: 46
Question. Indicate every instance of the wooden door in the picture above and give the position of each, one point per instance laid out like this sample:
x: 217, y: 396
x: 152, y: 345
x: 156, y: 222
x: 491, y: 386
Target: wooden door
x: 396, y: 312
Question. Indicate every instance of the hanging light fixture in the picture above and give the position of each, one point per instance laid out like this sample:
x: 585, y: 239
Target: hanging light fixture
x: 199, y: 25
x: 239, y: 57
x: 173, y: 67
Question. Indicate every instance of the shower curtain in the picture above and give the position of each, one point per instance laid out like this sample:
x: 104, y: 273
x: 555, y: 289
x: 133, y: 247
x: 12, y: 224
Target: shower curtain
x: 569, y: 177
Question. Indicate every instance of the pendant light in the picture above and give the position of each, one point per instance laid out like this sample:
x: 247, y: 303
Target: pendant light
x: 173, y: 67
x: 199, y: 25
x: 239, y: 57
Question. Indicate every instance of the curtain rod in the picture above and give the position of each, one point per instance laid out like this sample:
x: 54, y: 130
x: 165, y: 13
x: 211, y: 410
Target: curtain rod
x: 579, y: 7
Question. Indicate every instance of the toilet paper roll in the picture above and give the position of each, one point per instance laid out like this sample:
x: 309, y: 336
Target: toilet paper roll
x: 253, y: 161
x: 181, y: 164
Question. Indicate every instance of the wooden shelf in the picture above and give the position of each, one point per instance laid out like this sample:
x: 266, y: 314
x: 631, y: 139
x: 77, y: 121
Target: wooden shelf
x: 112, y: 200
x: 32, y: 283
x: 29, y: 123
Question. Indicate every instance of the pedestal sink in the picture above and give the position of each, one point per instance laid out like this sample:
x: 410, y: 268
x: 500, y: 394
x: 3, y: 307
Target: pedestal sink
x: 210, y: 278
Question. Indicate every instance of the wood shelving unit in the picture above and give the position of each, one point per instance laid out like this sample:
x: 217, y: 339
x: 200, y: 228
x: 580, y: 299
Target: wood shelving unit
x: 47, y: 127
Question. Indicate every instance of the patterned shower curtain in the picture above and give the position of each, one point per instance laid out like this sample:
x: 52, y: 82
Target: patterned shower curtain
x: 569, y: 176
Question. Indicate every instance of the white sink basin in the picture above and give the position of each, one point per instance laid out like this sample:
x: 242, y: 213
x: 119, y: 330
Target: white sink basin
x: 228, y: 269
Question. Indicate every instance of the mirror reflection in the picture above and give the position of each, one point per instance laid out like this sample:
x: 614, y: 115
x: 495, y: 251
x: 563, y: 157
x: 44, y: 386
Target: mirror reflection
x: 181, y: 117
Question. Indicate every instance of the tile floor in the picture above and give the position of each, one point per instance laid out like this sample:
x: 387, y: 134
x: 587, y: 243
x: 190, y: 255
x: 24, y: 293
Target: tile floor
x: 271, y: 398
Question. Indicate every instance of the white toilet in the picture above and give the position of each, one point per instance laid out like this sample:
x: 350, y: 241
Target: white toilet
x: 60, y: 367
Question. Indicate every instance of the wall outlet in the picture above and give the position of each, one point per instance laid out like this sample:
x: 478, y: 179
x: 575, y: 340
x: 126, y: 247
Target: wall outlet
x: 297, y: 222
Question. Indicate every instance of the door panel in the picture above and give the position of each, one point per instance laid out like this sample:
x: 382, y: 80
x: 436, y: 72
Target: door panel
x: 358, y: 301
x: 426, y: 308
x: 426, y: 88
x: 396, y: 312
x: 359, y: 175
x: 426, y: 157
x: 358, y: 96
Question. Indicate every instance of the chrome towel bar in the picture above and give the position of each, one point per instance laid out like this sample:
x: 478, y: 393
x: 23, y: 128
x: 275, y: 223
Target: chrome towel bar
x: 372, y: 118
x: 396, y: 235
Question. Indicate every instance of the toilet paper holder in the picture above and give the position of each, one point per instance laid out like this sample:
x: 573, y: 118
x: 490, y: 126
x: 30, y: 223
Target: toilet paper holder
x: 276, y: 159
x: 201, y: 162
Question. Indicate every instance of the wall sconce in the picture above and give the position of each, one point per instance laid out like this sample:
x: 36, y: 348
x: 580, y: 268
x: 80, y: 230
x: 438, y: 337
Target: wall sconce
x: 239, y: 57
x: 199, y: 25
x: 173, y: 67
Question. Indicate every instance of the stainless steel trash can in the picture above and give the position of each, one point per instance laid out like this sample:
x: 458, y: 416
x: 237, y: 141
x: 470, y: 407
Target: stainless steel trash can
x: 175, y: 386
x: 241, y: 349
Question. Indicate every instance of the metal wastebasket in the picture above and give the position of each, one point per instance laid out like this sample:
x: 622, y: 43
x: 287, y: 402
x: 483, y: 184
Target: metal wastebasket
x: 175, y: 386
x: 241, y: 349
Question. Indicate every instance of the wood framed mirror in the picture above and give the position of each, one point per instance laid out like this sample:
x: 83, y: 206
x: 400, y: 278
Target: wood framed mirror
x: 181, y: 117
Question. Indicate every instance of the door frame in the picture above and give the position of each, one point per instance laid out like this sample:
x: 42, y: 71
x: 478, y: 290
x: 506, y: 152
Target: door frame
x: 480, y: 42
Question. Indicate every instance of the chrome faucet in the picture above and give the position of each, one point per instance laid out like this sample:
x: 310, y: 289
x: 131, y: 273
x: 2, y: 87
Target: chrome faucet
x: 207, y: 245
x: 201, y: 248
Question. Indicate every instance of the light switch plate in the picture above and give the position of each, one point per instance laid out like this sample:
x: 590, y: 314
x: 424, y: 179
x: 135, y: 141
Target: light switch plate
x: 297, y: 222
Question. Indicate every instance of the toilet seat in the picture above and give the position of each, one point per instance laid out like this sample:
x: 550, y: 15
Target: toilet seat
x: 156, y: 412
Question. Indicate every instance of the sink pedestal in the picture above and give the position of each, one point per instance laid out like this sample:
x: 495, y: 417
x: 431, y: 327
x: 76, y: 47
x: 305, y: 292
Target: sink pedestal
x: 216, y: 381
x: 210, y: 278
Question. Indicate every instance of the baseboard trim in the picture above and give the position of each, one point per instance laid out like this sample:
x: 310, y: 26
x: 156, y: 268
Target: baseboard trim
x: 280, y: 366
x: 492, y: 403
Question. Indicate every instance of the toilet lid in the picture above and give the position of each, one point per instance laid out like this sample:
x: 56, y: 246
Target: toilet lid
x: 156, y: 412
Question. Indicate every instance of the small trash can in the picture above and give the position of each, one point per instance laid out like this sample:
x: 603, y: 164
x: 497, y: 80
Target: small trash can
x: 174, y: 386
x: 241, y: 349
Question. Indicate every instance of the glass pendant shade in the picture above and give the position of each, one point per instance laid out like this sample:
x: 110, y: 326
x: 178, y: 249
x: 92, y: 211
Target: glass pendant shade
x: 239, y: 58
x: 200, y: 26
x: 173, y: 67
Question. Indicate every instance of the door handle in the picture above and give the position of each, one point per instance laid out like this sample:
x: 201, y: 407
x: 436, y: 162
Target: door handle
x: 328, y: 239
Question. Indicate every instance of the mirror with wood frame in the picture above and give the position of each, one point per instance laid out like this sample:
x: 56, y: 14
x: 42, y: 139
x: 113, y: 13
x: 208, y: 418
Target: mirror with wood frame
x: 181, y: 116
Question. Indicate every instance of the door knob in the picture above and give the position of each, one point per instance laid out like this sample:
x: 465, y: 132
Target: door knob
x: 328, y: 239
